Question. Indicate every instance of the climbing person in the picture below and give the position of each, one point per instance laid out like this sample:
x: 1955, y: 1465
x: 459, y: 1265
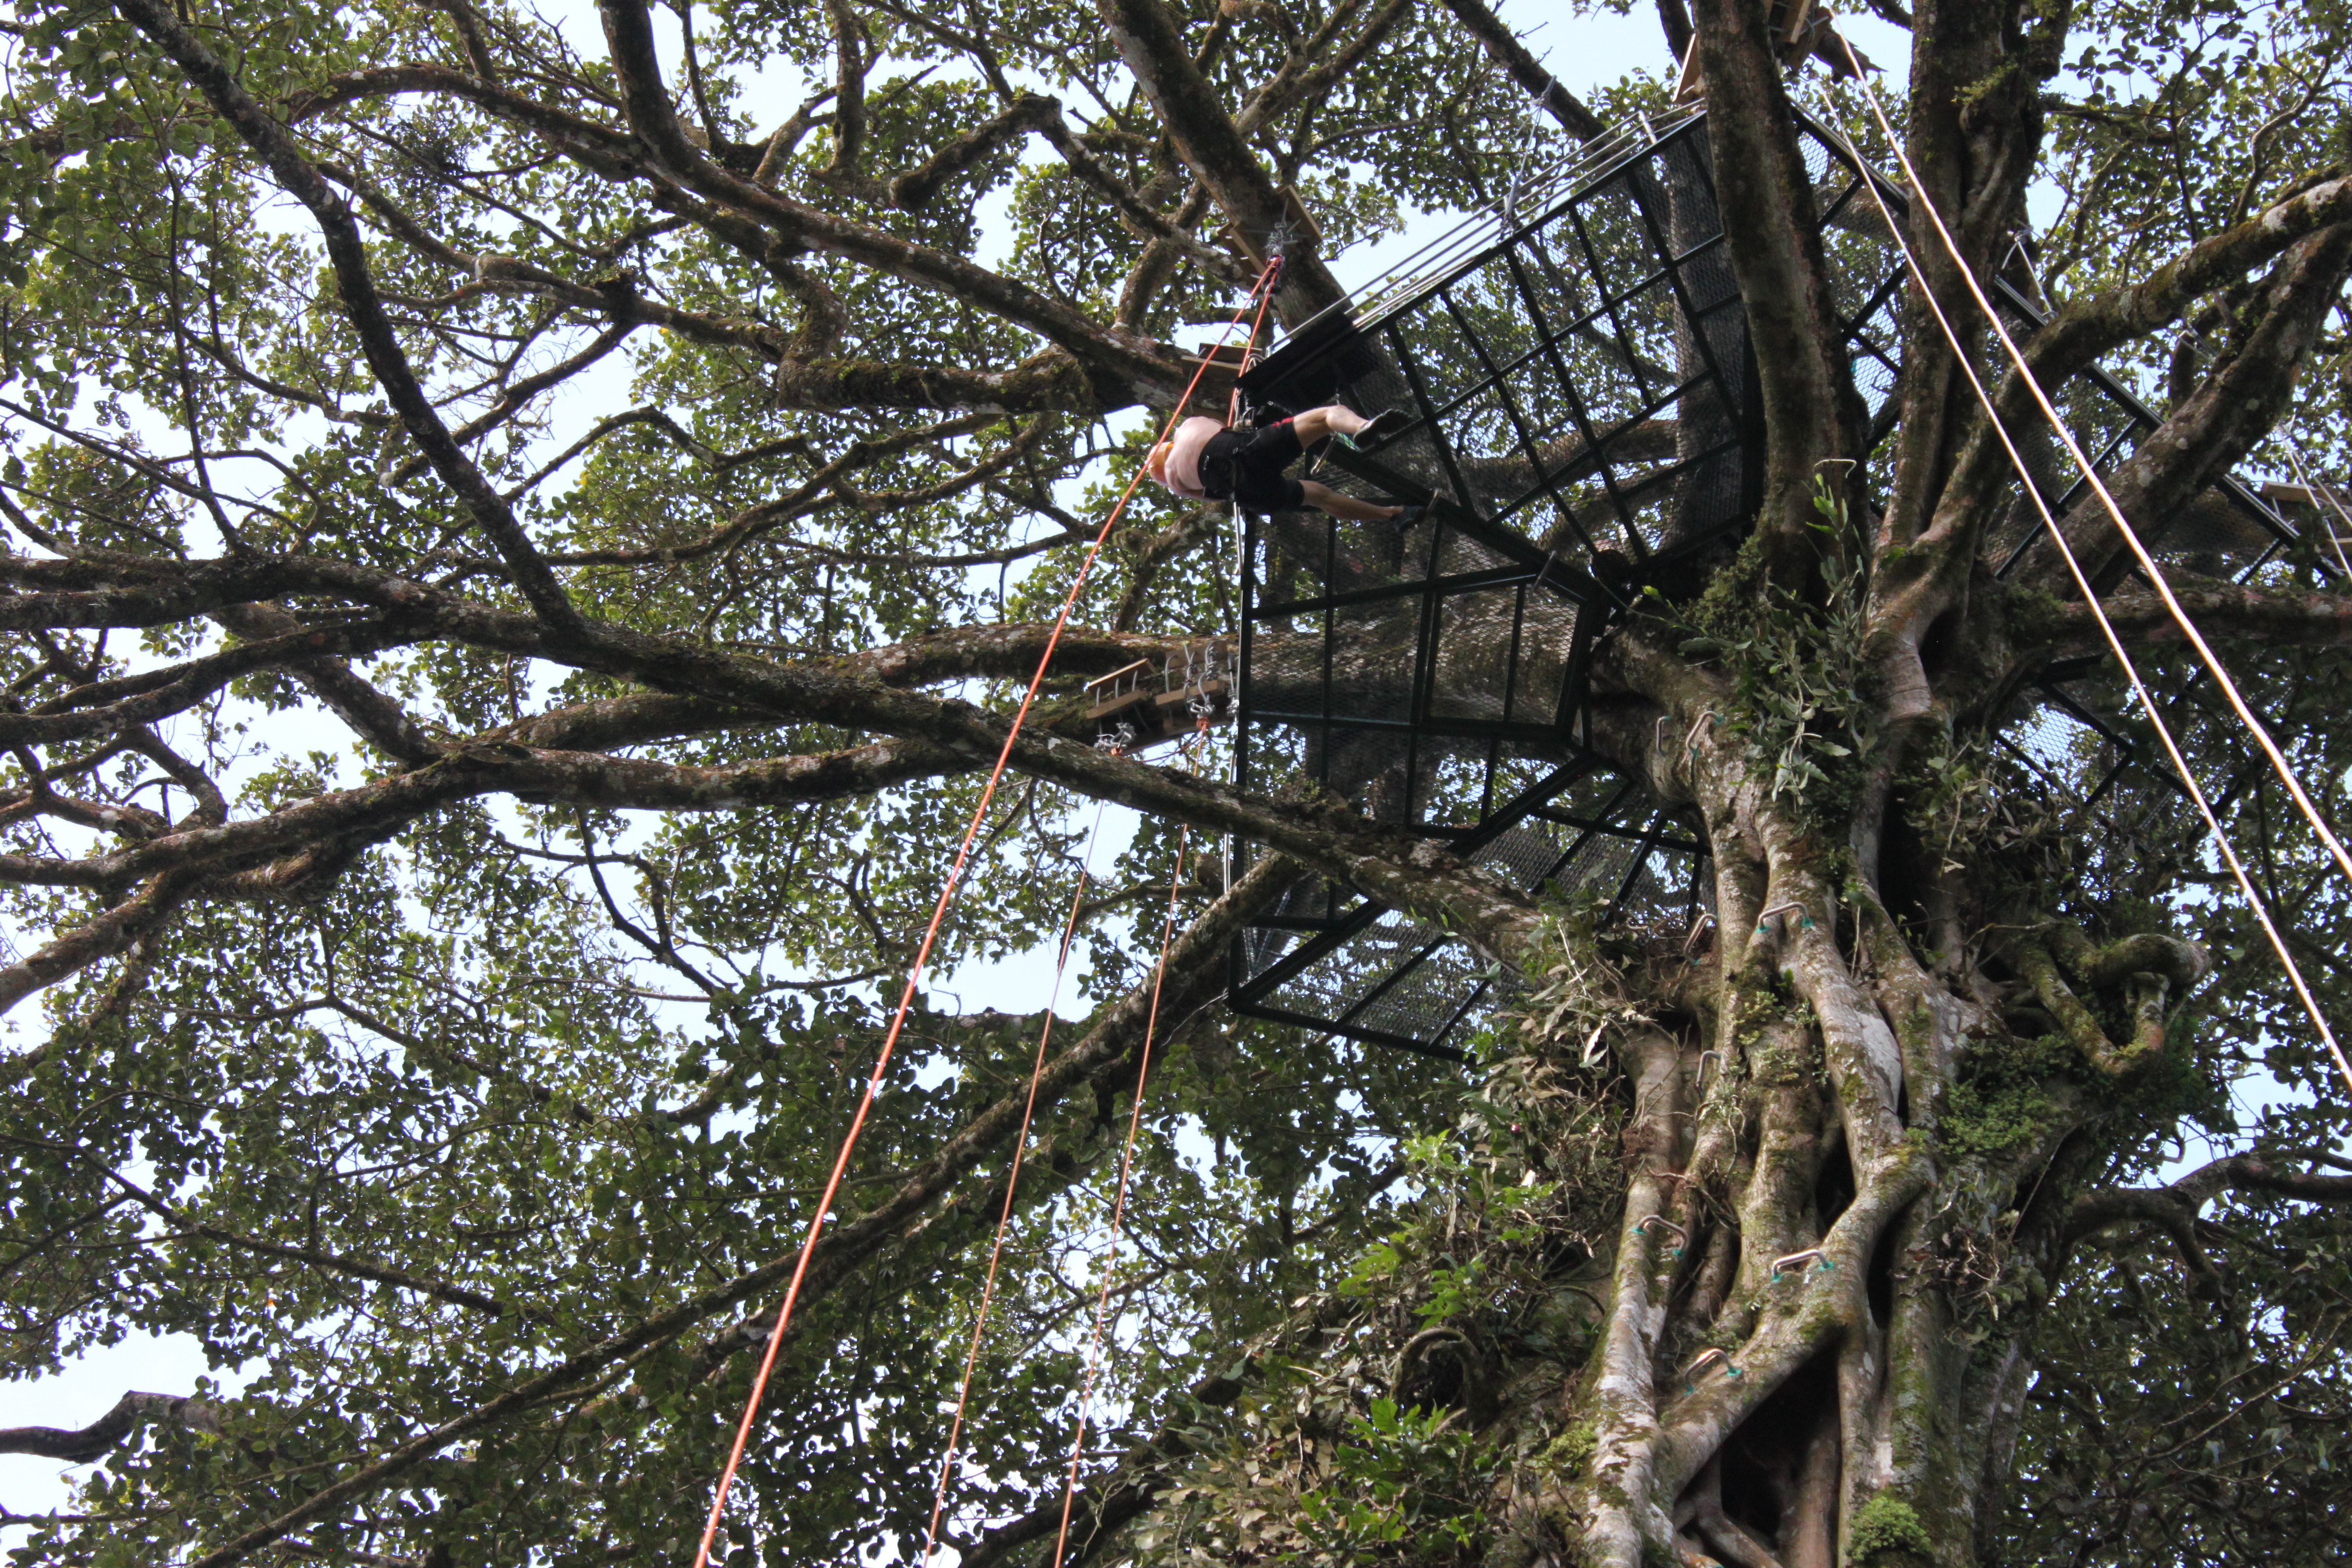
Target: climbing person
x: 1205, y: 460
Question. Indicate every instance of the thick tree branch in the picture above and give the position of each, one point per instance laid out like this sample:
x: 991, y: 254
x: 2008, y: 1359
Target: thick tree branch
x: 2176, y: 1208
x: 2092, y: 324
x: 851, y: 57
x: 1773, y: 235
x: 2237, y: 406
x: 107, y: 706
x: 1122, y: 365
x: 374, y: 812
x: 1211, y: 146
x: 1051, y: 381
x: 1503, y: 47
x: 1030, y: 111
x: 1395, y: 868
x: 373, y: 716
x: 2244, y: 612
x: 112, y: 931
x: 131, y: 1413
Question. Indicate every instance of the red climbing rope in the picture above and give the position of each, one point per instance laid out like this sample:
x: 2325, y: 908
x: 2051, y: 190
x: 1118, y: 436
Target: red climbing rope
x: 1265, y: 296
x: 1264, y: 287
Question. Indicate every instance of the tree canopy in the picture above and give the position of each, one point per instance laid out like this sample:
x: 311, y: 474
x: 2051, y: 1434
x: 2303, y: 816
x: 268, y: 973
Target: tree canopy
x: 524, y: 539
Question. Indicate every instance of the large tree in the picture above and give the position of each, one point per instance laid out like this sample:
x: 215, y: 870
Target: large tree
x: 524, y: 539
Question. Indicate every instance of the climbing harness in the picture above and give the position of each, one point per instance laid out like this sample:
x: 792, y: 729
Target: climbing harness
x: 1259, y: 295
x: 2255, y: 902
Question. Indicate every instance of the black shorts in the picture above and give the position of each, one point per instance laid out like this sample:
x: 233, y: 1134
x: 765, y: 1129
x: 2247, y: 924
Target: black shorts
x: 1245, y: 468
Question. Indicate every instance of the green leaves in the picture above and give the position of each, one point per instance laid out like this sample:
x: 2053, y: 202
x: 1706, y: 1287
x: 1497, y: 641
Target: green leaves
x: 1399, y: 1475
x: 399, y: 1105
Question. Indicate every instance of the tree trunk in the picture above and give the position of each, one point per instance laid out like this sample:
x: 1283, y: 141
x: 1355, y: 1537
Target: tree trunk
x: 1739, y: 1252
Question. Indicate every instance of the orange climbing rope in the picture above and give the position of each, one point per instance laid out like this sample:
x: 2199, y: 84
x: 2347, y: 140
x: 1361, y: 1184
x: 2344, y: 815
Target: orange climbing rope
x: 1118, y: 1198
x: 1259, y: 293
x: 1012, y: 1184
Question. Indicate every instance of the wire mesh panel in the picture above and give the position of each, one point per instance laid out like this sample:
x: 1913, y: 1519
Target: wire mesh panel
x: 2085, y: 779
x: 1578, y: 382
x: 2228, y: 531
x: 1866, y: 278
x: 2231, y: 531
x: 1574, y: 367
x: 1575, y: 370
x: 2105, y: 796
x: 1422, y: 674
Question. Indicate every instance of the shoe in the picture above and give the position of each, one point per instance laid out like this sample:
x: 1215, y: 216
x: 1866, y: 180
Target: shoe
x: 1387, y: 423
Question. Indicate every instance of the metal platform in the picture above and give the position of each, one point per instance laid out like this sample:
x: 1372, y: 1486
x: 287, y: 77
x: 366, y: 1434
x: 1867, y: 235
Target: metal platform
x: 1585, y: 423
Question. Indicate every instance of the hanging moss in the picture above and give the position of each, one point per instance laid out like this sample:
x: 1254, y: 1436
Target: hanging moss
x: 1887, y: 1534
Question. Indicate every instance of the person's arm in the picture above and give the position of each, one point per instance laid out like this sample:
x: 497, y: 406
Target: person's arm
x: 1158, y: 466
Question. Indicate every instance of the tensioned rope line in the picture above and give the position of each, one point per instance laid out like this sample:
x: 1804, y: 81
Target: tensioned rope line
x: 1012, y: 1184
x: 1262, y: 290
x: 2303, y: 477
x: 2131, y: 537
x: 2082, y: 581
x: 1119, y: 1199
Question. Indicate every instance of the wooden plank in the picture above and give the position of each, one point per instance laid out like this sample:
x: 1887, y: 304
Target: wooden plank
x: 1209, y: 688
x: 1300, y: 218
x: 1687, y: 82
x: 1118, y: 705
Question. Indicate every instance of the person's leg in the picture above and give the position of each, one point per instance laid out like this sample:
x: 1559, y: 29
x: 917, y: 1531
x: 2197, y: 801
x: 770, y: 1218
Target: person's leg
x: 1328, y: 420
x: 1323, y: 497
